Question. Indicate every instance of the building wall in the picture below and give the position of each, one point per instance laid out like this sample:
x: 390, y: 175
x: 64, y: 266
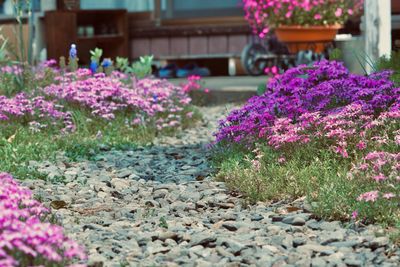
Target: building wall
x: 226, y: 45
x: 9, y: 31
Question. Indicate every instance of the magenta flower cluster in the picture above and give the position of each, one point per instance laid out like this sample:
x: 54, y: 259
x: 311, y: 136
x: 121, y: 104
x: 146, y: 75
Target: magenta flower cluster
x: 25, y: 235
x: 146, y: 101
x: 104, y: 96
x: 264, y: 15
x: 193, y: 84
x: 350, y: 130
x: 326, y: 87
x: 34, y: 110
x: 11, y: 70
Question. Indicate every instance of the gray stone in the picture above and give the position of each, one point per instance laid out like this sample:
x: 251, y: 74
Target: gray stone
x: 233, y: 245
x: 330, y: 226
x: 351, y: 262
x: 299, y: 241
x: 294, y: 220
x: 314, y: 248
x: 377, y: 242
x: 318, y: 262
x: 202, y: 239
x: 124, y: 173
x: 349, y: 243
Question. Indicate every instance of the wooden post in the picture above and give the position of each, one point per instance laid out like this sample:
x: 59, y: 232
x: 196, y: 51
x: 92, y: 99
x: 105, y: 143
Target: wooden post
x: 170, y: 9
x: 378, y: 29
x: 157, y: 12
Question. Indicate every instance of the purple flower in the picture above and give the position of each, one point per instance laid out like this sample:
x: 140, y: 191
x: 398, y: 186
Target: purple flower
x: 325, y: 87
x: 106, y: 63
x: 93, y: 66
x: 73, y: 52
x: 25, y: 232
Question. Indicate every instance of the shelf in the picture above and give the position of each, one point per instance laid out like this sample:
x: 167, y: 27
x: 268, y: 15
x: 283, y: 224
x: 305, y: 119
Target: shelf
x: 62, y: 28
x: 102, y: 38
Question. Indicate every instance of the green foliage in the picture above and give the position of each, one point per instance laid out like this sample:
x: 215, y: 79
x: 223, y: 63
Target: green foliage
x: 73, y: 64
x: 122, y: 64
x: 319, y: 174
x: 336, y: 54
x: 390, y: 63
x: 140, y: 68
x: 261, y: 89
x: 96, y: 55
x: 3, y: 46
x: 18, y: 145
x: 163, y: 223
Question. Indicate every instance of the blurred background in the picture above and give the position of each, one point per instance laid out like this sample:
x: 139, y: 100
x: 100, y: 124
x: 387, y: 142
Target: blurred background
x: 208, y: 33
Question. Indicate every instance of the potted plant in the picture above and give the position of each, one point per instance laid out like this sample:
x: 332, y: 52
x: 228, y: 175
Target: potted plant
x: 301, y: 24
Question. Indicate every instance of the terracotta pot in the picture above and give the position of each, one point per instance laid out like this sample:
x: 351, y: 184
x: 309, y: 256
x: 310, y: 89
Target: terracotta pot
x: 299, y: 38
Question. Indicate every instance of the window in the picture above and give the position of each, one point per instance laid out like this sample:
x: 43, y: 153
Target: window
x: 130, y: 5
x: 201, y: 8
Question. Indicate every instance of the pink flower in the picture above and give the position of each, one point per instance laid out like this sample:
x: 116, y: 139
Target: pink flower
x: 317, y: 16
x: 361, y: 145
x: 371, y: 196
x: 338, y: 12
x: 379, y: 177
x: 24, y: 229
x: 363, y: 167
x: 354, y: 215
x: 137, y: 121
x: 388, y: 195
x: 350, y: 12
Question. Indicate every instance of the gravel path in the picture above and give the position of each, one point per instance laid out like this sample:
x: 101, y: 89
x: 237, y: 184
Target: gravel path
x: 158, y: 206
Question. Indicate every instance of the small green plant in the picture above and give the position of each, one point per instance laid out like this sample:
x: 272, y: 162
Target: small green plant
x: 336, y: 54
x: 148, y: 212
x: 390, y: 63
x: 261, y: 89
x: 124, y: 263
x: 163, y: 223
x: 96, y: 55
x: 142, y: 68
x: 122, y: 64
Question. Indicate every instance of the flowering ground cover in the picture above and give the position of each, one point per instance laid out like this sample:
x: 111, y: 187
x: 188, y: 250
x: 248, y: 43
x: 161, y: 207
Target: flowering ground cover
x: 27, y: 238
x: 322, y: 132
x: 80, y: 112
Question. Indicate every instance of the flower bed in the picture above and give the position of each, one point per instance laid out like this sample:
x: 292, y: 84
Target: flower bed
x: 26, y: 236
x: 322, y: 117
x: 35, y: 111
x: 141, y: 101
x: 325, y: 87
x: 95, y: 110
